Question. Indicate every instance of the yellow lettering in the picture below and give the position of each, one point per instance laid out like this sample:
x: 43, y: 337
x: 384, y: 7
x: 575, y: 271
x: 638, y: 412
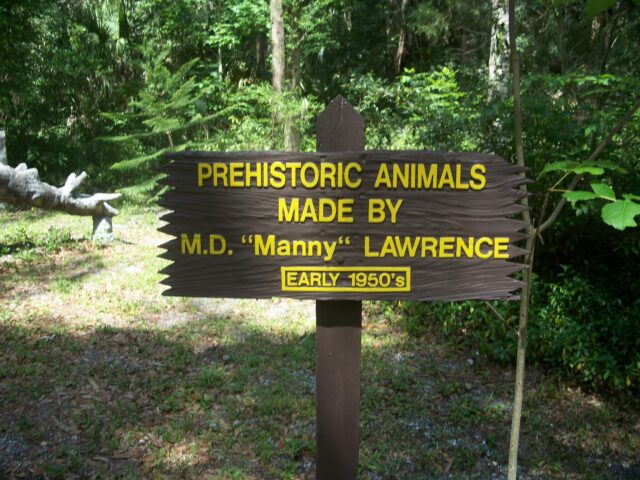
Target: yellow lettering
x: 478, y: 180
x: 284, y: 248
x: 217, y: 239
x: 367, y: 249
x: 376, y: 210
x: 290, y: 213
x: 427, y: 181
x: 309, y: 212
x: 316, y: 279
x: 299, y: 248
x: 204, y: 171
x: 291, y: 278
x: 325, y: 216
x: 220, y: 171
x: 314, y: 245
x: 345, y: 210
x: 328, y: 172
x: 446, y: 177
x: 294, y: 166
x: 478, y: 250
x: 353, y: 184
x: 429, y: 244
x: 304, y: 279
x: 383, y: 177
x: 407, y: 246
x: 394, y: 208
x: 460, y: 185
x: 278, y: 178
x: 267, y: 248
x: 255, y: 174
x: 501, y: 247
x: 401, y: 175
x: 467, y: 247
x: 191, y: 247
x: 388, y: 247
x: 235, y: 174
x: 446, y: 247
x: 306, y: 183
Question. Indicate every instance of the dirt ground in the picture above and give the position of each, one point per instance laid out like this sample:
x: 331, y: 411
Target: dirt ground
x: 102, y: 377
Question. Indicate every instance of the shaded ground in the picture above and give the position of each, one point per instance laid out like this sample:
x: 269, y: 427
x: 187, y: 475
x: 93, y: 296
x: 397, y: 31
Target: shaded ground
x: 100, y: 377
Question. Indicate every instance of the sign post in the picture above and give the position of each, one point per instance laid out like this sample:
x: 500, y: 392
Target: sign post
x: 338, y: 333
x: 340, y: 226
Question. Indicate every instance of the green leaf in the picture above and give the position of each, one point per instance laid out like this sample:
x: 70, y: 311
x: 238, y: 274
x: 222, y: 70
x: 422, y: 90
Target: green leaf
x: 593, y: 168
x: 562, y: 165
x: 620, y: 213
x: 137, y: 162
x: 574, y: 197
x: 596, y: 171
x: 596, y: 7
x: 630, y: 196
x: 605, y: 164
x: 143, y: 187
x: 603, y: 191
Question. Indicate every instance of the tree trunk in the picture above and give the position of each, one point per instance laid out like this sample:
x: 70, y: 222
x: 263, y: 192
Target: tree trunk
x: 259, y: 54
x: 402, y: 37
x: 499, y: 51
x: 523, y: 317
x: 277, y: 45
x: 292, y: 130
x: 3, y: 149
x: 220, y: 67
x: 561, y: 29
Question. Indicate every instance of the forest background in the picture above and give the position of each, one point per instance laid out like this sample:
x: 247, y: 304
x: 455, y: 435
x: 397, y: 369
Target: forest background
x: 107, y: 86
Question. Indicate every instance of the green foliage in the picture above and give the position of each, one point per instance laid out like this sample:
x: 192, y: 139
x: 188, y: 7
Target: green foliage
x: 582, y: 330
x: 576, y: 329
x: 595, y: 168
x: 620, y: 214
x: 419, y: 110
x: 595, y: 7
x: 167, y: 103
x: 24, y: 243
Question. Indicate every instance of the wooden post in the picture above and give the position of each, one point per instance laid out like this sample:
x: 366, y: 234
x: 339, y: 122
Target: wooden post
x: 338, y: 333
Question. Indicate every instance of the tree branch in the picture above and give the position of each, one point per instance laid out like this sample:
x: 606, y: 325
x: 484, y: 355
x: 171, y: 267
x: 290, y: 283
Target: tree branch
x: 22, y: 186
x: 596, y: 153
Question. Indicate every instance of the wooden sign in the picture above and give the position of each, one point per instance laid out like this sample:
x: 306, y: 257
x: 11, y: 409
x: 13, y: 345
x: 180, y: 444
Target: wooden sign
x: 350, y: 225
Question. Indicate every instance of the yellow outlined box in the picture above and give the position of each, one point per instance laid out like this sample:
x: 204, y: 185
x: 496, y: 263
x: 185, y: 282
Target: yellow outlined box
x: 346, y: 271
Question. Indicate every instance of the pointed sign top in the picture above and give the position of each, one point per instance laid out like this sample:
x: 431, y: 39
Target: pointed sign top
x: 339, y: 127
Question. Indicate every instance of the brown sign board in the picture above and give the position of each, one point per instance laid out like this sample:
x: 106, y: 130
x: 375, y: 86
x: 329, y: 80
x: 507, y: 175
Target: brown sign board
x: 388, y: 225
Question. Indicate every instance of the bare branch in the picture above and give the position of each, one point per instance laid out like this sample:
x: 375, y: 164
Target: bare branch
x: 495, y: 311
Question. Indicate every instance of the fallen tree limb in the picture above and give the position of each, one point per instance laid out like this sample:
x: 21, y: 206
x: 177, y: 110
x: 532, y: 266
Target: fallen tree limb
x: 22, y: 186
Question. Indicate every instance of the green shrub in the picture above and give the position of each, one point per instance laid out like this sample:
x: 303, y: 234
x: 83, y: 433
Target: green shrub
x: 25, y: 242
x: 575, y: 329
x: 416, y: 110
